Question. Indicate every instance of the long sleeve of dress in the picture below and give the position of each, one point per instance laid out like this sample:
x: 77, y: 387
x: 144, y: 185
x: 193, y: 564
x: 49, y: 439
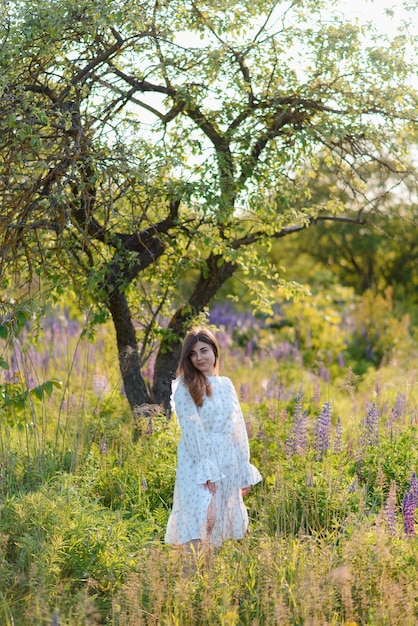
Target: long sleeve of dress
x: 196, y: 441
x: 249, y: 474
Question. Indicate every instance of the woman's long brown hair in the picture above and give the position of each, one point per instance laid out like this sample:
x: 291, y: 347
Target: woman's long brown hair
x: 196, y: 381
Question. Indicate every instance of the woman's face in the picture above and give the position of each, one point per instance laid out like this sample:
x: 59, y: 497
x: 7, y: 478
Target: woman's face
x: 203, y: 358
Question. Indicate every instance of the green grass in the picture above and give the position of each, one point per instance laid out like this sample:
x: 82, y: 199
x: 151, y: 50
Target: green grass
x: 84, y: 506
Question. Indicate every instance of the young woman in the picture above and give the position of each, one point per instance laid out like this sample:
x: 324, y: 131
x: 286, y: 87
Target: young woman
x: 213, y: 468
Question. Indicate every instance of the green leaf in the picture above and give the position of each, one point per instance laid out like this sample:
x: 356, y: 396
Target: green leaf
x: 4, y: 331
x: 38, y: 392
x: 21, y: 318
x: 47, y: 386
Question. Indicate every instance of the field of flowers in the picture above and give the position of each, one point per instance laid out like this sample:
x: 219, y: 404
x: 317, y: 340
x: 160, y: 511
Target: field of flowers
x: 84, y: 504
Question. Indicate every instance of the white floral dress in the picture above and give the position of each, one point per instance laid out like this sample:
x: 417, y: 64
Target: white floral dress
x: 213, y: 446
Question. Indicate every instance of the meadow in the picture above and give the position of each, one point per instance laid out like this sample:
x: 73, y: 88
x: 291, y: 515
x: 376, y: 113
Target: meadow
x: 86, y: 487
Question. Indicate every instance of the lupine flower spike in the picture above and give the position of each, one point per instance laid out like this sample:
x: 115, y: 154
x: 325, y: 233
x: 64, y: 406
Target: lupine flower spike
x: 408, y: 510
x: 390, y: 510
x: 338, y: 436
x: 323, y: 430
x: 371, y: 426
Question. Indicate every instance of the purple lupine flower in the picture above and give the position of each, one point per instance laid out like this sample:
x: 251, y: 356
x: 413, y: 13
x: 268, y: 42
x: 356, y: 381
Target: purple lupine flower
x: 371, y: 426
x: 390, y: 509
x: 338, y: 436
x: 289, y: 444
x: 408, y: 510
x: 100, y: 384
x: 297, y: 440
x: 301, y: 433
x: 55, y: 619
x: 390, y: 422
x: 354, y: 485
x: 397, y: 411
x: 325, y: 374
x: 244, y: 392
x: 413, y: 486
x: 341, y: 361
x: 323, y: 430
x: 400, y: 404
x: 317, y: 392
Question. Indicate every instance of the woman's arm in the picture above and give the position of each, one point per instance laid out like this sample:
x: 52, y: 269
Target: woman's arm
x: 250, y: 474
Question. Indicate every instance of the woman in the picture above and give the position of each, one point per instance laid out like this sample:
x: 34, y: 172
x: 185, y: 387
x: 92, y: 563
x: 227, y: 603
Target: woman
x: 213, y: 468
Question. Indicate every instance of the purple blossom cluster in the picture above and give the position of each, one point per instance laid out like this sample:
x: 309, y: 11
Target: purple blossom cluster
x: 244, y: 329
x: 297, y: 440
x: 354, y: 485
x: 338, y: 436
x: 400, y: 405
x: 371, y: 426
x: 413, y: 485
x: 397, y: 412
x: 390, y: 510
x: 409, y: 504
x: 323, y: 430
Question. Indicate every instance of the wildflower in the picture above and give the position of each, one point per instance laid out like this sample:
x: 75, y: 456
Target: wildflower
x: 309, y: 478
x: 103, y: 446
x: 100, y: 384
x: 371, y: 426
x: 297, y: 440
x: 397, y: 411
x: 390, y: 422
x: 289, y: 444
x: 55, y: 618
x: 325, y: 374
x: 317, y: 392
x: 413, y: 486
x: 400, y: 405
x: 301, y: 433
x: 390, y: 510
x: 338, y: 436
x: 354, y: 485
x: 323, y: 430
x: 244, y: 392
x: 408, y: 510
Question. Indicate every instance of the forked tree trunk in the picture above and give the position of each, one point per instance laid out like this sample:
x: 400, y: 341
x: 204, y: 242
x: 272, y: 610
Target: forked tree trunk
x: 169, y: 351
x: 168, y: 355
x: 133, y: 382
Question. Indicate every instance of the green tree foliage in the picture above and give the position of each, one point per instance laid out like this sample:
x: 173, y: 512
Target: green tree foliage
x: 381, y: 253
x: 151, y: 150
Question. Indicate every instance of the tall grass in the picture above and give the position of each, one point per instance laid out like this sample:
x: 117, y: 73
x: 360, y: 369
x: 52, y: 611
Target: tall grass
x: 84, y: 505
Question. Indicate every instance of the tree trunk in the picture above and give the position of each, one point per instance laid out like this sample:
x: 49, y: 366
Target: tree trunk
x: 169, y: 353
x: 133, y: 382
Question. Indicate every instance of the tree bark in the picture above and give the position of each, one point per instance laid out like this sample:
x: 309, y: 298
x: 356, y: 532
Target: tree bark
x: 133, y: 382
x: 149, y: 248
x: 169, y: 352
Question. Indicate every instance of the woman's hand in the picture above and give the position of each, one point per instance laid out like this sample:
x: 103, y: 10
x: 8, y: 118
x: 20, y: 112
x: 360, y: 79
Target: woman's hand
x: 211, y: 486
x: 245, y: 491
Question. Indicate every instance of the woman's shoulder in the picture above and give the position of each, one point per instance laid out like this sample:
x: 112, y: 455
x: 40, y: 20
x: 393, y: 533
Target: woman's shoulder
x: 225, y: 381
x: 177, y: 383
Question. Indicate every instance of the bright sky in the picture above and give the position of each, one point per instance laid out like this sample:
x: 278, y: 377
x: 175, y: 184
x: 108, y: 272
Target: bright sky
x: 375, y: 11
x: 365, y: 10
